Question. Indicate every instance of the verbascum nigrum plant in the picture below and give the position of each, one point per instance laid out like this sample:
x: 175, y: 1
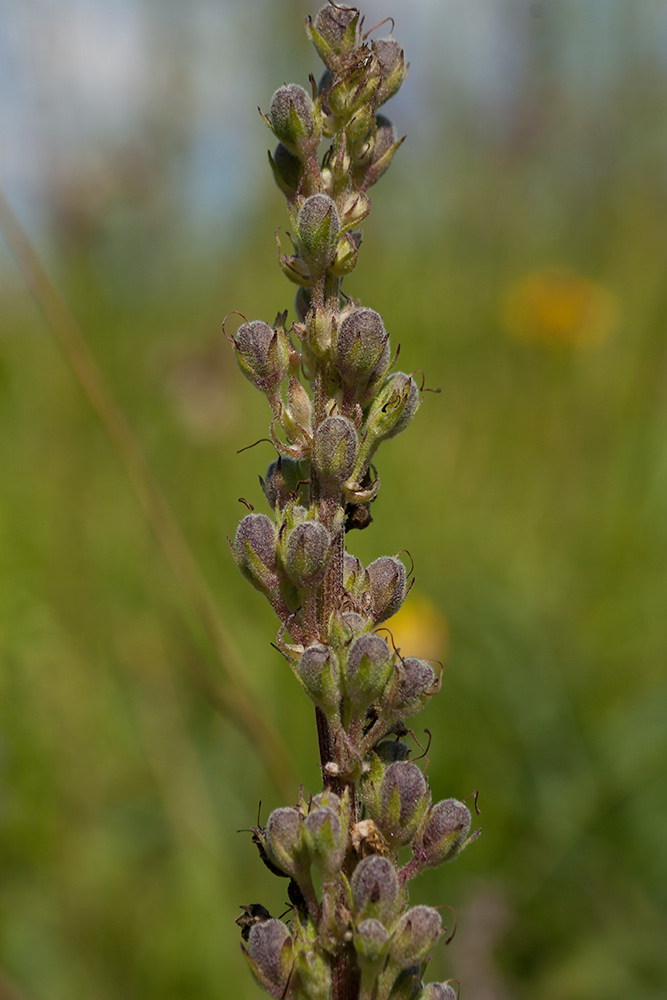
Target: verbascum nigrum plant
x: 335, y: 397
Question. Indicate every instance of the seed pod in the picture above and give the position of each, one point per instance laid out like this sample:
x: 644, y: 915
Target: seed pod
x: 387, y: 580
x: 281, y: 482
x: 414, y: 936
x: 375, y: 889
x: 376, y: 159
x: 326, y: 839
x: 302, y: 301
x: 335, y: 450
x: 292, y: 116
x: 317, y: 231
x: 307, y: 553
x: 444, y: 833
x: 367, y: 671
x: 362, y: 351
x: 312, y: 968
x: 287, y: 170
x: 371, y: 941
x: 437, y: 991
x: 411, y: 687
x: 401, y: 802
x: 394, y: 70
x: 255, y: 552
x: 284, y: 844
x: 262, y: 354
x: 270, y: 955
x: 334, y: 33
x: 393, y: 408
x: 319, y: 673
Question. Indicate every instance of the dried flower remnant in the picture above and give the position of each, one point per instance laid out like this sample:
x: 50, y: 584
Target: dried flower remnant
x: 335, y: 399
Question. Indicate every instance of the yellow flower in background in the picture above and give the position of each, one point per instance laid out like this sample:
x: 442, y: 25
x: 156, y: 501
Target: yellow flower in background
x: 559, y: 306
x: 419, y: 629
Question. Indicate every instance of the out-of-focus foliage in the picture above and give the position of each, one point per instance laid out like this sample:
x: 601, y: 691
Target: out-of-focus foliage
x: 531, y: 494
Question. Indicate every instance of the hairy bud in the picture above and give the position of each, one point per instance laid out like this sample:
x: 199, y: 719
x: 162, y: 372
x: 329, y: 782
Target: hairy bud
x: 390, y: 751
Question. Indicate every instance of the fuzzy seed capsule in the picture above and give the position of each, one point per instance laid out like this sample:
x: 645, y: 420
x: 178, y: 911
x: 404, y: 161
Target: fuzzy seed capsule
x: 269, y: 955
x: 394, y: 407
x: 410, y: 688
x: 394, y: 70
x: 367, y: 671
x: 362, y: 351
x: 284, y: 841
x: 307, y: 553
x: 255, y: 551
x: 371, y: 941
x: 334, y: 33
x: 292, y: 116
x: 375, y: 889
x: 402, y: 801
x: 319, y: 673
x: 387, y: 580
x: 335, y: 450
x: 318, y: 228
x: 326, y: 839
x: 287, y: 170
x: 281, y: 482
x: 262, y: 354
x: 445, y: 832
x: 415, y: 935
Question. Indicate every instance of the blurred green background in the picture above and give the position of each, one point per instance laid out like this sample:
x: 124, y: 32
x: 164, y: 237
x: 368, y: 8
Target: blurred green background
x: 516, y: 250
